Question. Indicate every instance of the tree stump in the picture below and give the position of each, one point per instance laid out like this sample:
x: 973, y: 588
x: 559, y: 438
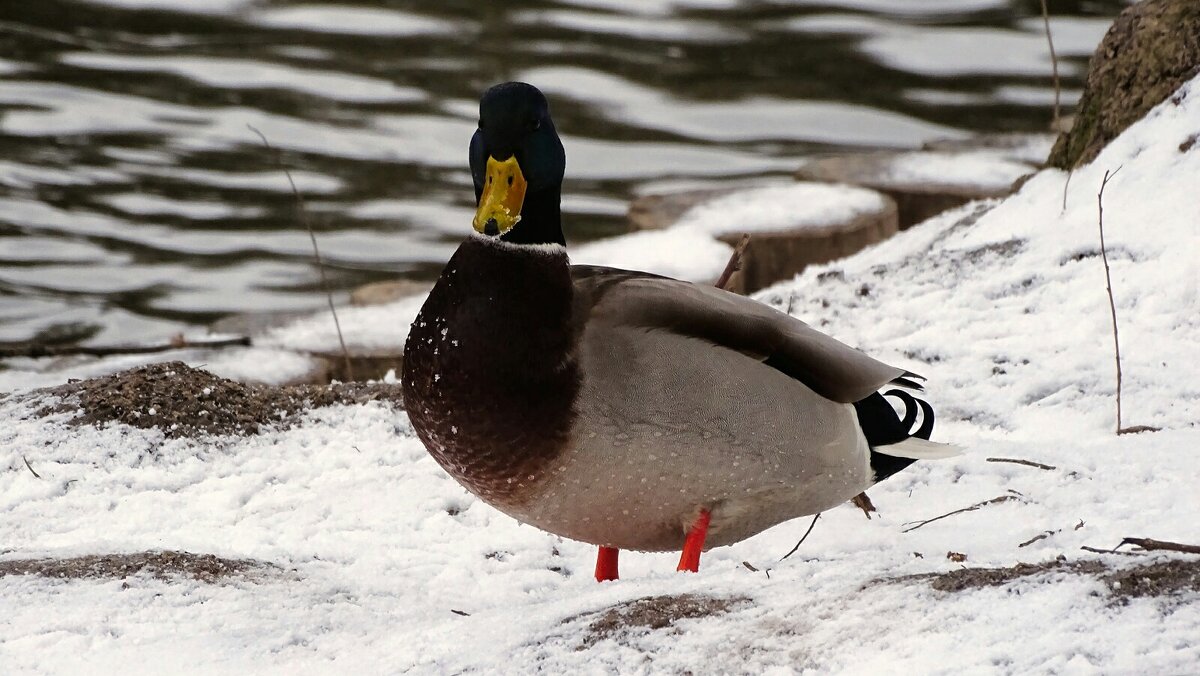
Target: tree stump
x: 923, y: 184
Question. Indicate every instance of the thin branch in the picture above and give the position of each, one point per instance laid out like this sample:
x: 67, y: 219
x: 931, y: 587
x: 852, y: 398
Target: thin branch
x: 1094, y: 550
x: 1158, y: 545
x: 1138, y: 429
x: 1066, y: 186
x: 803, y: 537
x: 35, y: 350
x: 1027, y: 463
x: 1112, y: 304
x: 30, y: 467
x: 993, y: 501
x: 1054, y: 65
x: 1042, y: 536
x: 734, y: 264
x: 312, y: 235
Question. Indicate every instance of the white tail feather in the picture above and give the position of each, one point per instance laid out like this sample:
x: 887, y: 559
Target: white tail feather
x: 916, y: 448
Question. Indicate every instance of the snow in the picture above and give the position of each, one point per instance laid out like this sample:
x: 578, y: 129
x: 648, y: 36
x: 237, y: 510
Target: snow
x: 782, y: 207
x: 983, y: 169
x: 673, y: 252
x: 1001, y: 304
x: 371, y: 328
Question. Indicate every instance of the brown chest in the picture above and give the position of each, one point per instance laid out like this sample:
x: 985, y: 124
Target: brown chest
x: 489, y: 374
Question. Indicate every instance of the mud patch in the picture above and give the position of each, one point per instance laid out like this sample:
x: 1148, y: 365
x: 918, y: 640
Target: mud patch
x: 654, y: 613
x: 1158, y: 578
x: 186, y: 402
x: 162, y: 565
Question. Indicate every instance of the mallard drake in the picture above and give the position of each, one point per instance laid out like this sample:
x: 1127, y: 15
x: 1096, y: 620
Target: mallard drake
x: 625, y: 409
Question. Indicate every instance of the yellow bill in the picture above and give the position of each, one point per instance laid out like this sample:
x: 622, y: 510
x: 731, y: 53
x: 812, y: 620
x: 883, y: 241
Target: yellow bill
x: 503, y: 194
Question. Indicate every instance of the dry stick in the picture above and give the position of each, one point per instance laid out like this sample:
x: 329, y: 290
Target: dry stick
x: 1094, y: 550
x: 1066, y: 186
x: 1112, y: 305
x: 1018, y: 461
x: 993, y: 501
x: 1053, y: 64
x: 30, y: 467
x: 1159, y: 545
x: 34, y: 350
x: 1043, y: 536
x: 803, y: 537
x: 734, y: 264
x: 316, y: 250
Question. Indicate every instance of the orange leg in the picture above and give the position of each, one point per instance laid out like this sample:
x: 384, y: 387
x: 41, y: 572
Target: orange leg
x: 606, y: 564
x: 694, y: 544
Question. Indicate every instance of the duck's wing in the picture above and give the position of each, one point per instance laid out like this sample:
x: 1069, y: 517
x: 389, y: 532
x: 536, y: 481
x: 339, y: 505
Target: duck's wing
x: 634, y: 299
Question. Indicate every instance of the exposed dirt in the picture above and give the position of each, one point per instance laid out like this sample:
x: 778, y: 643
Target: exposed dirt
x: 186, y: 402
x: 159, y: 564
x: 1157, y: 578
x: 654, y: 612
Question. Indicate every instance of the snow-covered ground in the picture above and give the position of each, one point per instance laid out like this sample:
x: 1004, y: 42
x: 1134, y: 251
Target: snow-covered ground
x: 387, y: 566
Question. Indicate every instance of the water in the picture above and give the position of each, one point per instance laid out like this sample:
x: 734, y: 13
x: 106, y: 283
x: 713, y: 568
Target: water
x: 136, y: 200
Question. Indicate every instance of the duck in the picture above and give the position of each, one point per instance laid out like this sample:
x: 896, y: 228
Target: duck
x: 625, y: 409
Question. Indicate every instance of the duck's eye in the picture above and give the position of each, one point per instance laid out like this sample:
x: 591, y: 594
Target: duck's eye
x: 535, y: 125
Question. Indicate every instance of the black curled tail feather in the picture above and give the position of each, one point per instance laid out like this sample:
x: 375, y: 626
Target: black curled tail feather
x: 882, y: 426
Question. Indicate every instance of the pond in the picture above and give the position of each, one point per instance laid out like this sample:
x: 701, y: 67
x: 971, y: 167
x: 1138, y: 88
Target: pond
x: 137, y: 199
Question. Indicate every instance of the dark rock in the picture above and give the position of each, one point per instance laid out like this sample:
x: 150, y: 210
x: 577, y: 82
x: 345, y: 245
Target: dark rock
x: 1151, y: 50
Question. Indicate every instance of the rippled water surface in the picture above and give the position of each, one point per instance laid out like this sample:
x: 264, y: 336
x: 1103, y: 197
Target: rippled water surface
x: 136, y: 201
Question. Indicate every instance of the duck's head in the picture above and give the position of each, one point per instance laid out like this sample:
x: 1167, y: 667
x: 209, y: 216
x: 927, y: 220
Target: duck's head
x: 517, y: 164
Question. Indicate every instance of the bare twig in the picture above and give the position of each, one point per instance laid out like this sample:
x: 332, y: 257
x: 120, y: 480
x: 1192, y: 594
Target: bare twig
x: 1158, y: 545
x: 1138, y: 429
x: 1054, y: 65
x: 312, y: 236
x: 993, y: 501
x: 734, y: 264
x: 460, y: 612
x: 863, y: 502
x: 34, y: 350
x: 1112, y: 304
x: 1027, y: 463
x: 1042, y: 536
x: 1108, y: 551
x: 1066, y: 186
x: 803, y: 537
x: 30, y: 467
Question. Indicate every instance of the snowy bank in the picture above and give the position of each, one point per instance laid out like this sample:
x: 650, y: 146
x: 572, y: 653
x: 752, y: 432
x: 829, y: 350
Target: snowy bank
x: 385, y: 565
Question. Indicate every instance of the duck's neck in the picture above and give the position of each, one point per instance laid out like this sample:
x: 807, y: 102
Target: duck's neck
x: 541, y: 220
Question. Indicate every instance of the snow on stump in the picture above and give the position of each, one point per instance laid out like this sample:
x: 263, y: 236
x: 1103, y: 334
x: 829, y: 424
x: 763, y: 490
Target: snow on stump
x: 656, y: 212
x: 1032, y: 148
x: 381, y: 293
x: 792, y: 226
x: 922, y: 183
